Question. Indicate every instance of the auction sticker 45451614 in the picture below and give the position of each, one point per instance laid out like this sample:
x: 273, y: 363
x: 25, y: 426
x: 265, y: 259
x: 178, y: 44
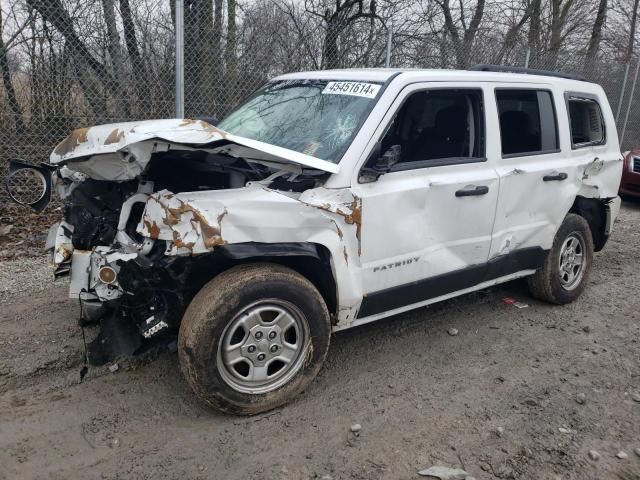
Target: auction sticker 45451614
x: 358, y: 89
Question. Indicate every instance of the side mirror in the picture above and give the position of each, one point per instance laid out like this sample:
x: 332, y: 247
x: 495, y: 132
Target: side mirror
x: 378, y: 164
x: 28, y: 185
x: 388, y: 159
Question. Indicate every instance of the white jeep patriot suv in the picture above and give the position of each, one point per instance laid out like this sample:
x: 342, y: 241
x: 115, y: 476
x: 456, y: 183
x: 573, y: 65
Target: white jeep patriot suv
x: 327, y: 200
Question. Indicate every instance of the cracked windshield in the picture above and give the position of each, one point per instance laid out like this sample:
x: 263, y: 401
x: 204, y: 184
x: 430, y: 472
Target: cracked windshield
x: 317, y: 118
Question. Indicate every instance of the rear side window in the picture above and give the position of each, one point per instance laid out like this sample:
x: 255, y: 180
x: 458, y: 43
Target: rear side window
x: 587, y: 125
x: 528, y: 123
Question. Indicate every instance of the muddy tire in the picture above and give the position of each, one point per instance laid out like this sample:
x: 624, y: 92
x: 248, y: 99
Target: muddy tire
x: 253, y: 338
x: 567, y: 267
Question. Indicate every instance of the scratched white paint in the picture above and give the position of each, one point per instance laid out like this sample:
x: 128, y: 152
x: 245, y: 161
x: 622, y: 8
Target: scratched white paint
x: 406, y: 226
x: 107, y: 148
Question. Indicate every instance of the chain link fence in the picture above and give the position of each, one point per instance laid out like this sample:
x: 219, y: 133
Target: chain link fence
x: 73, y: 63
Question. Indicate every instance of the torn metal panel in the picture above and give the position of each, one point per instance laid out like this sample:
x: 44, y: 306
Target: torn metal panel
x: 62, y: 244
x: 600, y: 178
x: 121, y: 151
x: 194, y: 223
x: 187, y: 229
x: 341, y: 202
x: 80, y: 270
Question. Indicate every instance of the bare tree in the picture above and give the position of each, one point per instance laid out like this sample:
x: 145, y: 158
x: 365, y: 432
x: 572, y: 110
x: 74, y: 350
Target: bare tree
x: 632, y: 32
x: 520, y: 16
x: 230, y: 51
x: 337, y: 19
x: 12, y: 99
x: 596, y: 36
x: 559, y: 19
x: 462, y: 44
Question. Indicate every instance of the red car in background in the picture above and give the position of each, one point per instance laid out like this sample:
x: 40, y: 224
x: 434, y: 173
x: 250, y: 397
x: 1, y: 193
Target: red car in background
x: 630, y: 184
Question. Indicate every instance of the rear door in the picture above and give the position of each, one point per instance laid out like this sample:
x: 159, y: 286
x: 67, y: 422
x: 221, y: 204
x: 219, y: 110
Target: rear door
x: 537, y: 177
x: 426, y: 225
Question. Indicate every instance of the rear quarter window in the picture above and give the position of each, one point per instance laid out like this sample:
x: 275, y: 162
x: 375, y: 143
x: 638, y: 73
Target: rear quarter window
x: 585, y: 120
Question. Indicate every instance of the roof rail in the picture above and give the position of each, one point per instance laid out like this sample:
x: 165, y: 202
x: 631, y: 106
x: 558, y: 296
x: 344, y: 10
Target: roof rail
x: 484, y: 67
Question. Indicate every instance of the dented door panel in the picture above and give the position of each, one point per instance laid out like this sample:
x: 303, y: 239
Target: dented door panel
x: 414, y: 226
x: 530, y: 209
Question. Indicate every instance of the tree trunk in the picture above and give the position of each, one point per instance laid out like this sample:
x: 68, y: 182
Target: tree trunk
x: 113, y: 47
x: 462, y: 46
x: 511, y: 37
x: 53, y: 12
x: 451, y: 28
x: 533, y: 40
x: 230, y: 54
x: 8, y: 86
x: 559, y: 12
x: 470, y: 35
x: 632, y: 33
x: 330, y: 51
x: 139, y: 71
x: 596, y: 37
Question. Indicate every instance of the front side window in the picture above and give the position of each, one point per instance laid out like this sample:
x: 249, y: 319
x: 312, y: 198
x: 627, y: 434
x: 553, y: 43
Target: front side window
x: 587, y: 126
x: 314, y: 117
x: 527, y: 121
x: 436, y: 127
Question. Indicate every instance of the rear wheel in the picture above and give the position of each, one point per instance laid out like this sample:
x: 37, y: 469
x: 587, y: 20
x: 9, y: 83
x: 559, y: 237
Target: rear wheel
x: 566, y: 269
x: 253, y: 338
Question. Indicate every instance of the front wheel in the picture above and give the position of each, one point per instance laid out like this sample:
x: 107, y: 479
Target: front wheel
x: 566, y: 269
x: 253, y: 338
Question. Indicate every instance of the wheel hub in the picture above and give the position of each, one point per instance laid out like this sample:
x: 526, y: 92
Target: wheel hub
x: 572, y: 262
x: 262, y: 347
x: 262, y: 344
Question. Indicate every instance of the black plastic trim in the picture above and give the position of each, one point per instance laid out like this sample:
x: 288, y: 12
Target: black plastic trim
x: 45, y: 170
x: 245, y: 250
x: 568, y: 96
x: 530, y: 154
x: 436, y: 162
x: 428, y: 288
x: 485, y: 67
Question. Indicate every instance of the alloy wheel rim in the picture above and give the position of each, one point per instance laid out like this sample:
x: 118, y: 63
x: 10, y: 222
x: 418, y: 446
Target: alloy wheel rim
x: 263, y: 346
x: 572, y: 262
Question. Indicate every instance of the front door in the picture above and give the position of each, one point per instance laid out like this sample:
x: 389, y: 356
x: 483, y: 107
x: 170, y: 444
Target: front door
x: 427, y: 224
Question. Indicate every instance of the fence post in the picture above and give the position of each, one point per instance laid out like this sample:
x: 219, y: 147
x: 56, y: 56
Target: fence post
x: 387, y: 61
x: 179, y: 58
x: 624, y: 85
x: 527, y: 57
x: 633, y: 88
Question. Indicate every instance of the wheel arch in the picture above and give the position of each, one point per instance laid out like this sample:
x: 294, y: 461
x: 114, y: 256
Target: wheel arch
x: 311, y: 260
x: 594, y: 211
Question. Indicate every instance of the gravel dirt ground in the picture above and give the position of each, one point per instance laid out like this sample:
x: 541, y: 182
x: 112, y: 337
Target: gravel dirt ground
x: 500, y: 399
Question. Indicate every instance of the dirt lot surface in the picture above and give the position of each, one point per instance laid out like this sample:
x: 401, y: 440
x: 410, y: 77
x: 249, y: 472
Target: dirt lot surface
x: 501, y: 398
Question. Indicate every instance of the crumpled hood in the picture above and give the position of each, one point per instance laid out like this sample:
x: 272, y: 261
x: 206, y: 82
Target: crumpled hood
x: 85, y: 143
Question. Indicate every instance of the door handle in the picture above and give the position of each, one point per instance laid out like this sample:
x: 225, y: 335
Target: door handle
x: 472, y: 190
x: 555, y: 177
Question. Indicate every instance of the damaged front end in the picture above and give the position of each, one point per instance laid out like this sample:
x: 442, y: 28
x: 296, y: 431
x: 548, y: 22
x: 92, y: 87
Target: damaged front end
x: 145, y: 206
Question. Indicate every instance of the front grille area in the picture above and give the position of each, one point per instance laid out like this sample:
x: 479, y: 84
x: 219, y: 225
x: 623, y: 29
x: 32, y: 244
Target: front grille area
x: 636, y: 164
